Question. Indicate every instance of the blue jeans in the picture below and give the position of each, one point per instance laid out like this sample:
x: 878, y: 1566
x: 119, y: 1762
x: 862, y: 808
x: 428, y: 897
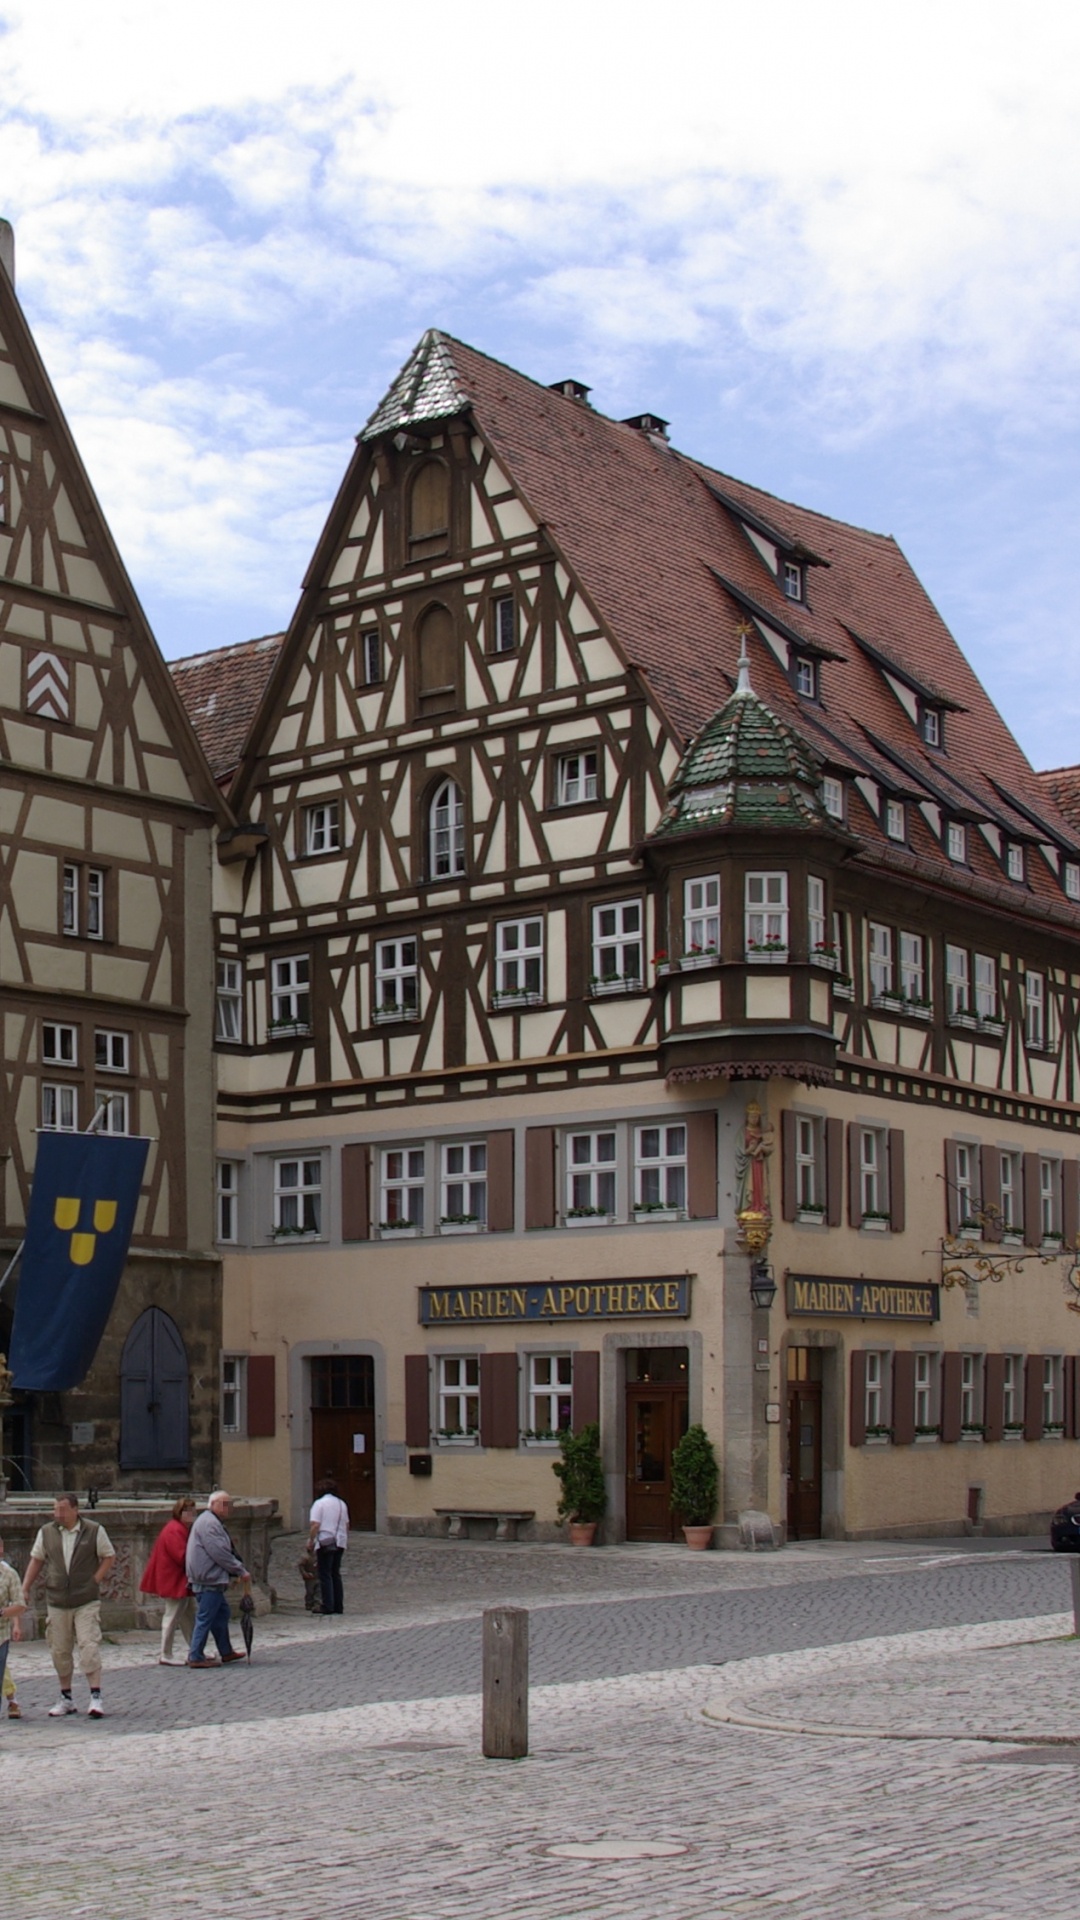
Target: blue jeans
x: 211, y: 1617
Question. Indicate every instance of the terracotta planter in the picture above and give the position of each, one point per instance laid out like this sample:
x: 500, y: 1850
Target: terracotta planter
x: 700, y: 1538
x: 582, y: 1533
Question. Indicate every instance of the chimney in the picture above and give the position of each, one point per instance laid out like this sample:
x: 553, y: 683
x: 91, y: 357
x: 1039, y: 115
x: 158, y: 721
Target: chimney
x: 650, y: 423
x: 7, y: 249
x: 570, y: 389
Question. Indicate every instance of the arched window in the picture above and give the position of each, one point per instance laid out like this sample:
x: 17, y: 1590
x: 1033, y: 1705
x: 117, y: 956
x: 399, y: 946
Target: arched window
x: 437, y: 662
x: 154, y: 1418
x: 429, y: 511
x: 446, y: 831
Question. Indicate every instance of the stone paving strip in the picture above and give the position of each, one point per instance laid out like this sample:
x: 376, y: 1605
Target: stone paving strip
x: 633, y: 1805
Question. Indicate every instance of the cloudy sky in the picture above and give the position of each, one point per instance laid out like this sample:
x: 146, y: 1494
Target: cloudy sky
x: 837, y: 245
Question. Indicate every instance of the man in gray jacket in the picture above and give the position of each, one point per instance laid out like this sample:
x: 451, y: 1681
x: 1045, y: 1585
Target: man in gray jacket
x: 211, y: 1564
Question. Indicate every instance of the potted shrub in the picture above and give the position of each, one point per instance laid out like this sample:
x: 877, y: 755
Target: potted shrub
x: 580, y: 1473
x: 695, y: 1478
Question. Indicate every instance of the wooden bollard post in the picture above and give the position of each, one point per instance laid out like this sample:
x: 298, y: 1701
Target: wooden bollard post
x: 1074, y: 1571
x: 506, y: 1683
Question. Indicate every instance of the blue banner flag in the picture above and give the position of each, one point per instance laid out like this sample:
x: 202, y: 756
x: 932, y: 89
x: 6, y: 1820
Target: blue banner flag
x: 78, y: 1229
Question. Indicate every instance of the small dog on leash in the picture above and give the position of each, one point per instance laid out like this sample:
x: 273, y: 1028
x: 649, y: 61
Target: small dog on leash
x: 309, y: 1573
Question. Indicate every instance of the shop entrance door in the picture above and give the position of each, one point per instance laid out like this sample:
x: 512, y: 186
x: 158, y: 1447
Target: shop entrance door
x: 657, y: 1411
x: 343, y: 1431
x: 804, y: 1443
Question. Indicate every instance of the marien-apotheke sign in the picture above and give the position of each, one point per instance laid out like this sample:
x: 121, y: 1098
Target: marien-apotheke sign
x: 817, y: 1294
x: 665, y: 1298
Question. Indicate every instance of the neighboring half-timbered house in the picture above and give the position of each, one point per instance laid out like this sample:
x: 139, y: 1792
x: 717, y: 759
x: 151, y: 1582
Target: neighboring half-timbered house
x: 108, y: 815
x: 577, y: 988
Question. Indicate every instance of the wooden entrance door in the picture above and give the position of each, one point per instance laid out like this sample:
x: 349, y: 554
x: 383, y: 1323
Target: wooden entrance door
x: 343, y: 1431
x: 804, y: 1459
x: 656, y: 1419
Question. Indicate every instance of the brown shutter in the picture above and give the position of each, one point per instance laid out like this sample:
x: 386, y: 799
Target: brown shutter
x: 789, y: 1202
x: 994, y: 1396
x: 1033, y: 1397
x: 857, y: 1409
x: 990, y: 1182
x: 903, y: 1398
x: 951, y: 1364
x: 261, y: 1409
x: 854, y: 1168
x: 701, y: 1165
x: 1070, y: 1202
x: 355, y: 1176
x: 500, y: 1172
x: 1075, y: 1396
x: 540, y: 1177
x: 897, y: 1196
x: 417, y: 1401
x: 1032, y: 1197
x: 834, y: 1172
x: 586, y: 1390
x: 952, y: 1201
x: 498, y: 1400
x: 1068, y: 1397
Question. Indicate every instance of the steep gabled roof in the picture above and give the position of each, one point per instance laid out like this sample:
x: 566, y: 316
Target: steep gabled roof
x: 426, y: 389
x: 221, y: 692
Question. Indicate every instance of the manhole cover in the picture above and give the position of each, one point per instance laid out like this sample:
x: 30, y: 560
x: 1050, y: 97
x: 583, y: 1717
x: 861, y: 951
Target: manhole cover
x: 616, y: 1849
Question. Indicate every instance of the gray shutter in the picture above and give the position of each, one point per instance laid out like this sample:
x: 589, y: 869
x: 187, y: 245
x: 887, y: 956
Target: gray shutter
x: 897, y: 1196
x: 586, y: 1390
x: 834, y: 1172
x: 500, y: 1182
x: 903, y: 1398
x: 1032, y: 1197
x: 540, y: 1177
x: 417, y: 1401
x: 355, y: 1179
x: 701, y: 1165
x: 788, y: 1184
x: 857, y: 1408
x: 951, y: 1364
x: 499, y: 1426
x: 990, y: 1179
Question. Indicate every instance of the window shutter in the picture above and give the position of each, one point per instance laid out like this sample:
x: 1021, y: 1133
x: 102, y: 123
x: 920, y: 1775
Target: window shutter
x: 500, y: 1195
x: 1033, y: 1400
x: 990, y: 1180
x: 540, y: 1177
x: 857, y: 1409
x: 897, y: 1195
x: 417, y: 1401
x: 1070, y: 1201
x: 586, y: 1390
x: 903, y: 1398
x: 854, y: 1168
x: 1032, y: 1208
x: 701, y: 1165
x: 355, y: 1180
x: 261, y: 1411
x: 498, y: 1399
x: 994, y: 1407
x: 788, y: 1184
x: 952, y: 1200
x: 1068, y: 1383
x: 834, y: 1172
x: 950, y: 1397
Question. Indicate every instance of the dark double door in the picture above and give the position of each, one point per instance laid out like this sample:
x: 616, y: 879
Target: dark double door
x: 343, y: 1432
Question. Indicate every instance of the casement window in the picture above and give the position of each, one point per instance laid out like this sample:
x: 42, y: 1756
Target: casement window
x: 810, y: 1197
x: 1051, y: 1392
x: 1011, y: 1193
x: 590, y: 1174
x: 766, y: 912
x: 1014, y: 862
x: 986, y: 999
x: 503, y: 624
x: 233, y: 1392
x: 115, y: 1111
x: 83, y: 901
x: 459, y: 1394
x: 965, y: 1183
x: 401, y: 1187
x: 112, y: 1050
x: 957, y: 981
x: 806, y: 676
x: 1012, y: 1391
x: 446, y: 831
x: 1049, y: 1198
x: 701, y: 915
x: 912, y: 967
x: 550, y: 1407
x: 519, y: 961
x: 322, y: 827
x: 933, y: 726
x: 298, y: 1196
x: 397, y: 979
x: 881, y: 959
x: 876, y: 1391
x: 290, y: 994
x: 464, y: 1183
x: 895, y: 820
x: 576, y: 778
x: 791, y: 579
x: 971, y: 1389
x: 956, y: 841
x: 1035, y: 1009
x: 1071, y: 880
x: 832, y: 794
x: 228, y: 1186
x: 59, y: 1044
x: 815, y: 914
x: 617, y: 943
x: 229, y: 1007
x: 59, y: 1108
x: 926, y: 1392
x: 873, y: 1173
x: 659, y: 1168
x: 371, y: 658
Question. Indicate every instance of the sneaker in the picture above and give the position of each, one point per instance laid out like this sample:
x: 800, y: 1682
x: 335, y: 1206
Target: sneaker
x: 95, y: 1711
x: 64, y: 1705
x: 14, y: 1711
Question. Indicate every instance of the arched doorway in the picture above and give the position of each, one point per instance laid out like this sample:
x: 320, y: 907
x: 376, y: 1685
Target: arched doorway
x: 154, y: 1415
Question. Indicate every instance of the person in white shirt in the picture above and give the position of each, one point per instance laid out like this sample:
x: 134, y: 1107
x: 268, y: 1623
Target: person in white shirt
x: 328, y: 1534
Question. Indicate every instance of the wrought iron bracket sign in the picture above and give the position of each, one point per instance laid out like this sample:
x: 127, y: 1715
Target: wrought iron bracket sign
x: 664, y: 1298
x: 967, y: 1261
x: 819, y: 1295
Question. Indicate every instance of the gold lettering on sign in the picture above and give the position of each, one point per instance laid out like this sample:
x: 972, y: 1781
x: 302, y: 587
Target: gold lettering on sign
x: 548, y: 1309
x: 671, y: 1295
x: 633, y: 1297
x: 517, y: 1295
x: 615, y: 1298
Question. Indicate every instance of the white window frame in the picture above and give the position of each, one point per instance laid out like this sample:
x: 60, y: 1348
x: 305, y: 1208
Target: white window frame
x: 618, y: 935
x: 397, y: 979
x: 701, y: 914
x: 592, y: 1159
x: 1012, y: 1188
x: 504, y: 637
x: 233, y: 1393
x: 1035, y: 1028
x: 806, y: 676
x: 446, y: 832
x: 809, y: 1165
x: 1012, y: 1390
x: 876, y: 1391
x: 290, y: 993
x: 322, y: 828
x: 1071, y: 880
x: 660, y: 1167
x: 966, y: 1189
x: 1052, y: 1396
x: 832, y: 796
x: 1015, y: 865
x: 112, y: 1051
x: 913, y: 966
x: 986, y: 992
x: 971, y: 1389
x: 519, y: 961
x: 458, y: 1393
x: 766, y: 911
x: 298, y: 1200
x: 1049, y: 1197
x: 873, y: 1172
x: 229, y: 1001
x: 59, y: 1044
x: 371, y: 660
x: 83, y: 892
x: 549, y: 1390
x: 926, y: 1390
x: 956, y: 841
x: 931, y: 726
x: 880, y: 953
x: 227, y: 1195
x: 895, y: 820
x: 816, y: 919
x: 957, y: 981
x: 59, y: 1107
x: 577, y: 777
x: 116, y: 1111
x: 464, y: 1189
x: 402, y: 1183
x: 791, y: 579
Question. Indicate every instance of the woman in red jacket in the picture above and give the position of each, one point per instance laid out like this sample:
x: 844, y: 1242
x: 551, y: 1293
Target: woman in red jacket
x: 165, y: 1576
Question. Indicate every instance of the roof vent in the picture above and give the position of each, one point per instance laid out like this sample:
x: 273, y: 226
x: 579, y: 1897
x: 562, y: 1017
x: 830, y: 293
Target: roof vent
x: 649, y: 423
x: 570, y: 389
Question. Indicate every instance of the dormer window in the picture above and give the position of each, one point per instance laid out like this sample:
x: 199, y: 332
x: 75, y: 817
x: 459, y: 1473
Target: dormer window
x: 1071, y: 880
x: 895, y: 821
x: 1014, y: 863
x: 956, y: 841
x: 832, y: 793
x: 791, y: 579
x: 933, y: 729
x: 806, y: 676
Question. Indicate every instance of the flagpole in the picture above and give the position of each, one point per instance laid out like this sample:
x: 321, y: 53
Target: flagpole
x: 17, y: 1255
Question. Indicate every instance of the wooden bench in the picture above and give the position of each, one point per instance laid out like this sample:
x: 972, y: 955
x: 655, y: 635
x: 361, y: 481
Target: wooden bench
x: 506, y: 1520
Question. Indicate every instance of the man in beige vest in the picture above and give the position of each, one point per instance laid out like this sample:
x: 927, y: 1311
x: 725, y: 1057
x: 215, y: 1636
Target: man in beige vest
x: 77, y: 1556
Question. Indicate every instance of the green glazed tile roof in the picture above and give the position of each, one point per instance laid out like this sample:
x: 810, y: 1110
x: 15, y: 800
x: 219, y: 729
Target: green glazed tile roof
x: 746, y: 768
x: 427, y: 388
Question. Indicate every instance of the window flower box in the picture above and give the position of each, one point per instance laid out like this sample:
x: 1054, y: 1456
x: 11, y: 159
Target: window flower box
x: 537, y: 1438
x: 960, y: 1018
x: 648, y: 1211
x: 1052, y: 1242
x: 918, y: 1009
x: 843, y: 987
x: 400, y: 1229
x: 881, y: 1434
x: 509, y: 1002
x: 288, y: 1029
x: 457, y: 1437
x: 825, y: 955
x: 293, y: 1233
x: 1014, y: 1430
x: 991, y: 1025
x: 1054, y: 1430
x: 392, y: 1012
x: 769, y: 954
x: 974, y: 1431
x: 810, y: 1216
x: 928, y: 1433
x: 888, y: 1002
x: 613, y: 984
x: 875, y: 1222
x: 460, y: 1223
x: 588, y: 1217
x: 970, y: 1230
x: 698, y: 957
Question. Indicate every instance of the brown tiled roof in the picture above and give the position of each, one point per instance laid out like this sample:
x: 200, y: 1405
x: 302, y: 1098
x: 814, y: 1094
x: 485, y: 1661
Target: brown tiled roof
x: 1062, y: 785
x: 221, y: 691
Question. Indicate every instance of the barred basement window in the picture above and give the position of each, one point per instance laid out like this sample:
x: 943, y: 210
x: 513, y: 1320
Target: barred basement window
x: 233, y: 1392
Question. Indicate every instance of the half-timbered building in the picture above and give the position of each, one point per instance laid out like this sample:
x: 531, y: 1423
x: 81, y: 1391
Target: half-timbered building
x: 611, y: 1030
x: 108, y: 816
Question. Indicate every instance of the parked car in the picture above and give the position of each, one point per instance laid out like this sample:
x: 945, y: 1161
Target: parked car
x: 1065, y: 1527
